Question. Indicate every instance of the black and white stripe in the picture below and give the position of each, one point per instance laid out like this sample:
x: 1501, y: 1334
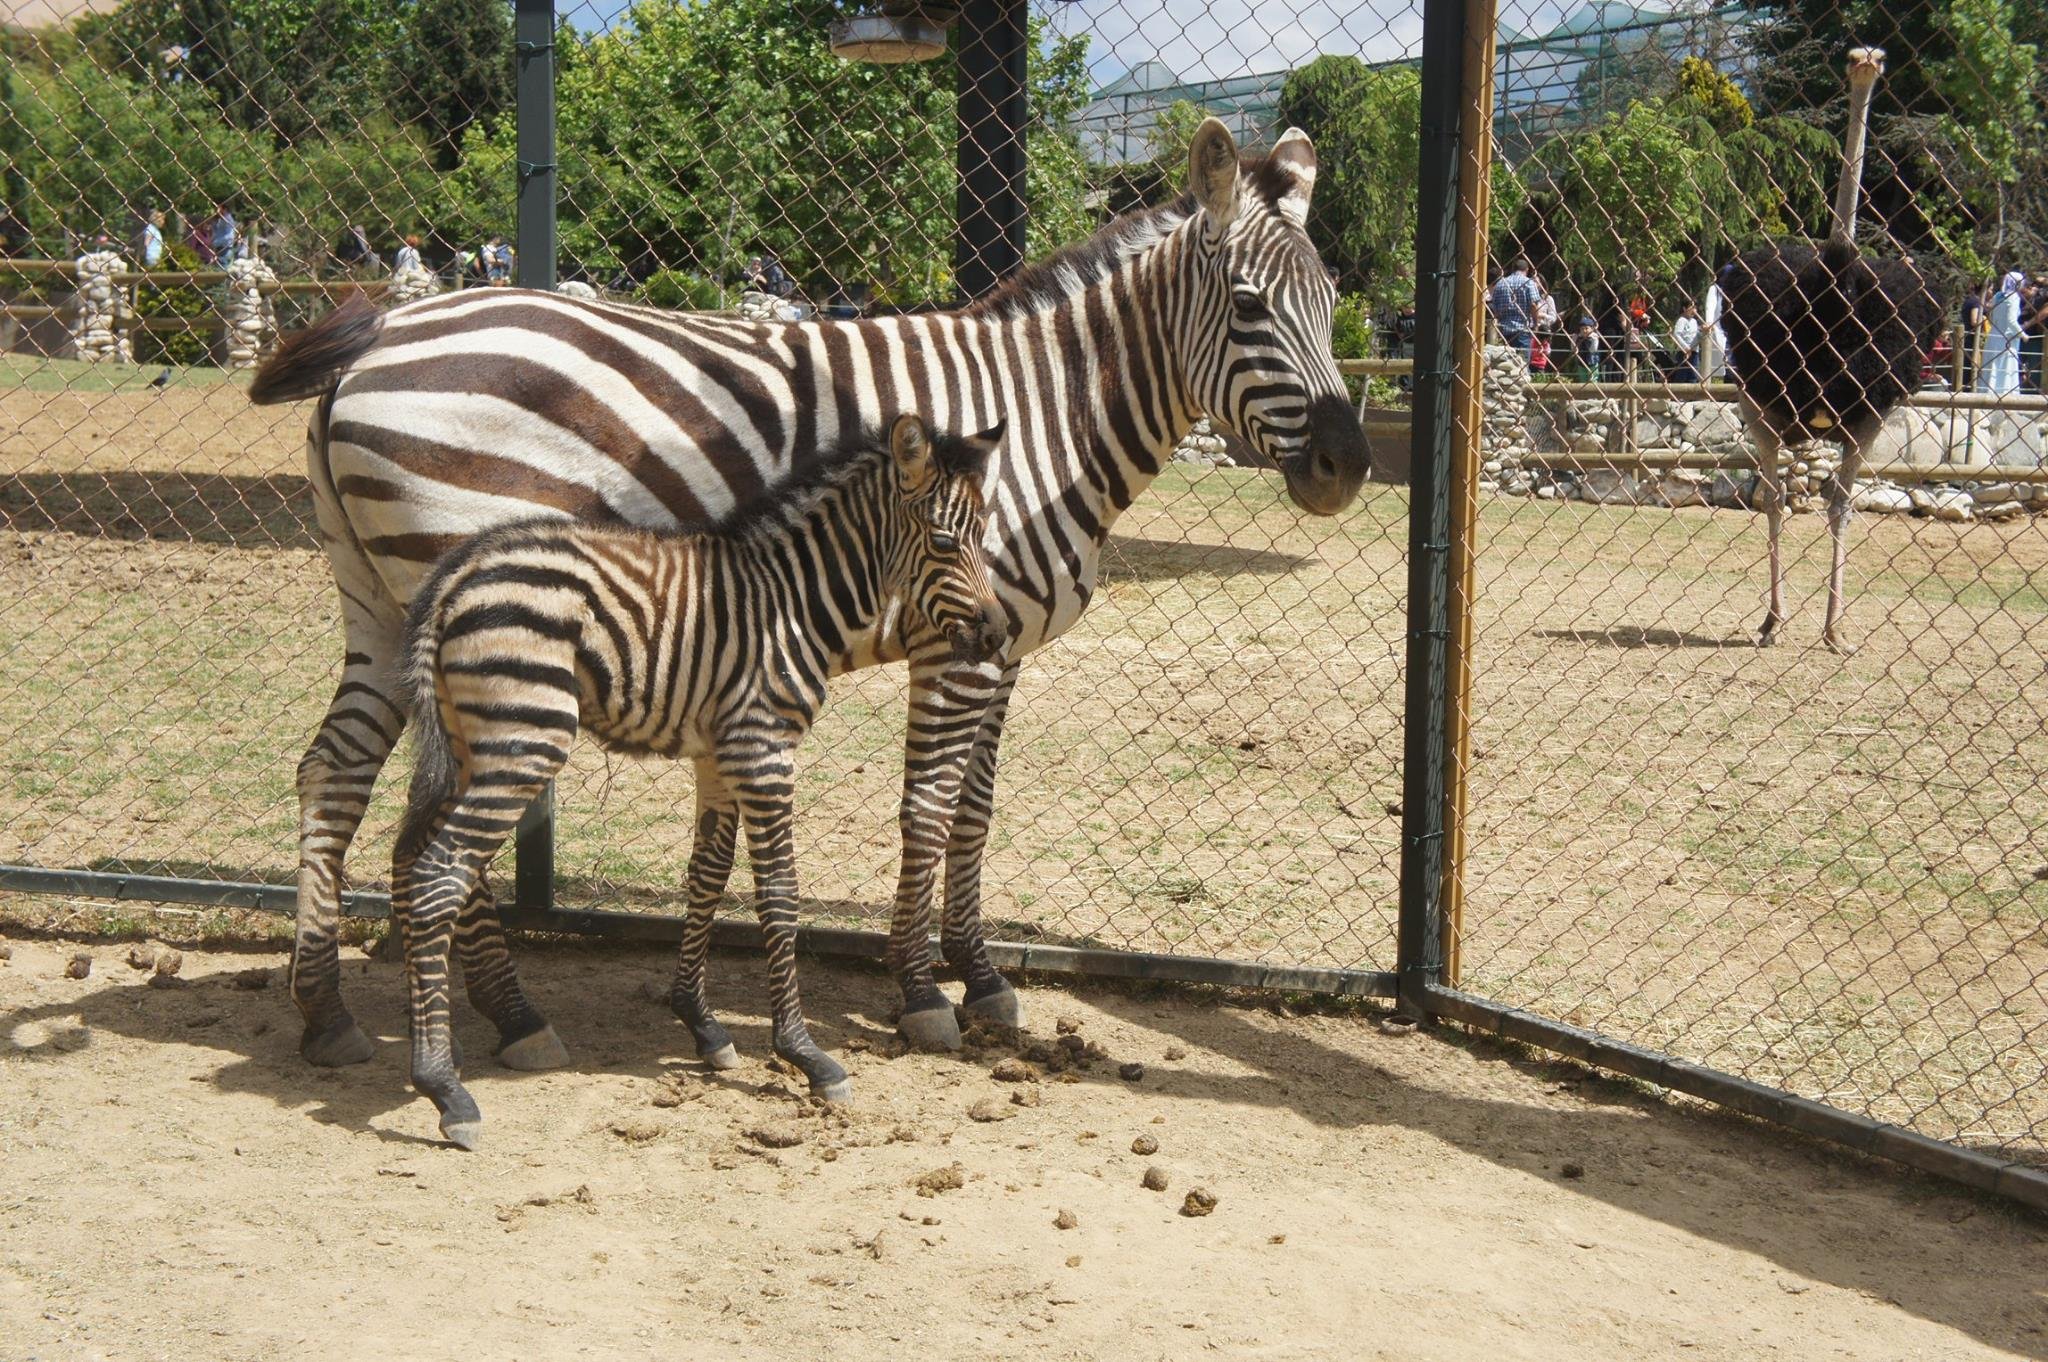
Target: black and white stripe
x: 712, y: 647
x: 463, y: 412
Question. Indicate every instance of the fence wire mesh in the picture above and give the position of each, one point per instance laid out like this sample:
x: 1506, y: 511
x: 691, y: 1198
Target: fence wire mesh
x: 1815, y: 870
x: 1821, y: 872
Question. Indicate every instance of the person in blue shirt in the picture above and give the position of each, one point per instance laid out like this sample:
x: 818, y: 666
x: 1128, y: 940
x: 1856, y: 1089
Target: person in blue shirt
x: 222, y: 235
x: 1513, y: 300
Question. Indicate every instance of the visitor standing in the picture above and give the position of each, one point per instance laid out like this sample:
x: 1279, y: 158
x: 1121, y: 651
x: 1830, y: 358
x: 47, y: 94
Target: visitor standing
x: 1969, y: 341
x: 353, y: 251
x: 1586, y: 350
x: 497, y: 261
x: 1513, y: 300
x: 1713, y: 340
x: 221, y: 234
x: 149, y: 242
x: 2001, y: 369
x: 1685, y: 337
x: 2033, y: 333
x: 408, y: 257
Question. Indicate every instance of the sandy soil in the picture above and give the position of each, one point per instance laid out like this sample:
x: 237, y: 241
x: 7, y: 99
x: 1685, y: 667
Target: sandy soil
x: 177, y: 1184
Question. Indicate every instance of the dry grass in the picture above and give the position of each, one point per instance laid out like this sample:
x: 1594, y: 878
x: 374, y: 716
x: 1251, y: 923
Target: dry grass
x: 1815, y: 871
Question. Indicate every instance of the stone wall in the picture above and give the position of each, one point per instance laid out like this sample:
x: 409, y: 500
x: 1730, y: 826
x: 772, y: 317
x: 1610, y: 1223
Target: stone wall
x: 1518, y: 432
x: 100, y: 311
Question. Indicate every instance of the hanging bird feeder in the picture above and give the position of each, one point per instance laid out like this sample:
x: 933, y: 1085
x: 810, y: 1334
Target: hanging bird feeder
x: 900, y: 31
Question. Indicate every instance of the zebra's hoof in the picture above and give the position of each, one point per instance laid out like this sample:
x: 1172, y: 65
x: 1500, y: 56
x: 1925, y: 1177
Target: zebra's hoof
x: 1004, y: 1007
x: 840, y: 1091
x: 462, y: 1134
x: 933, y: 1029
x: 541, y: 1050
x: 341, y: 1044
x: 726, y: 1056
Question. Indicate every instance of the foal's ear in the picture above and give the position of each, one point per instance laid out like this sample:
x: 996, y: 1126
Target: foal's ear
x: 968, y: 456
x: 1212, y: 170
x: 911, y: 442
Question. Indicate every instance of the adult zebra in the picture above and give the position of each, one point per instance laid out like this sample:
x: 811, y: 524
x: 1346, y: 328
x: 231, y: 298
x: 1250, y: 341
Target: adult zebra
x: 453, y: 414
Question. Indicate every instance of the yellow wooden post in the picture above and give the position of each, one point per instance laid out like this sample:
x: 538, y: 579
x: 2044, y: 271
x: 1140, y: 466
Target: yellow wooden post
x: 1468, y: 421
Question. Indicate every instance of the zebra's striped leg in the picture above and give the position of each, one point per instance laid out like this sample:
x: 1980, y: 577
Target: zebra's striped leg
x: 762, y: 776
x: 335, y: 777
x: 525, y: 1040
x: 436, y: 886
x: 718, y: 820
x: 947, y: 702
x: 961, y: 937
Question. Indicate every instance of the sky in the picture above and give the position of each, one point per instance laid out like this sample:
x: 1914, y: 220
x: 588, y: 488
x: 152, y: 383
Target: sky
x: 1215, y: 39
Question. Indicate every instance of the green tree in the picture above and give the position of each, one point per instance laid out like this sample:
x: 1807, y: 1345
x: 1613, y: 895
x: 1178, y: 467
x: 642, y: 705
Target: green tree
x: 289, y: 69
x: 1364, y: 122
x: 453, y: 68
x: 695, y: 134
x: 1625, y: 200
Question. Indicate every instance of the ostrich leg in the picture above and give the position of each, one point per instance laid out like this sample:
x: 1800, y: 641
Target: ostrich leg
x: 1770, y: 494
x: 1841, y: 488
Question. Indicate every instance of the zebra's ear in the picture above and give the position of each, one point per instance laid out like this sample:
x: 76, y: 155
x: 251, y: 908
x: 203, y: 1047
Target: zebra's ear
x: 911, y: 443
x: 968, y: 456
x: 1294, y: 157
x: 1212, y: 170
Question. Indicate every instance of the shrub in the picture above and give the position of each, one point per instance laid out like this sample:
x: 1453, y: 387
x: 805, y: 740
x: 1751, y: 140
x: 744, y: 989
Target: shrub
x: 680, y: 290
x: 173, y: 300
x: 1351, y: 328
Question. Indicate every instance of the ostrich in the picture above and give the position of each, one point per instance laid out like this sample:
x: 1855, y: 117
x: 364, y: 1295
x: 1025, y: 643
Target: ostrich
x: 1824, y: 344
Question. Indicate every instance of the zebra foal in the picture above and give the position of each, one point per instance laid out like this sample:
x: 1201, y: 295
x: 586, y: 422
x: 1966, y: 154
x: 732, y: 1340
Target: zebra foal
x: 711, y: 647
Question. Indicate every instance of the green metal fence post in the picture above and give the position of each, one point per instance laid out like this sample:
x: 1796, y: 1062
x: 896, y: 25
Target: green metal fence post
x: 533, y: 32
x: 1420, y: 954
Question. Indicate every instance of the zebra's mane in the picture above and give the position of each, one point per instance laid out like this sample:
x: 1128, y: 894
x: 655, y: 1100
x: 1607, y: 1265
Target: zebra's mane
x: 1073, y: 268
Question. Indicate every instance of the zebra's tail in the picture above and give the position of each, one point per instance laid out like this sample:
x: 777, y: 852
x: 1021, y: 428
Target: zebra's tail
x: 308, y: 363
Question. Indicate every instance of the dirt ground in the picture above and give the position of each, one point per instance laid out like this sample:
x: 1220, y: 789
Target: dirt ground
x: 1815, y: 871
x: 177, y: 1184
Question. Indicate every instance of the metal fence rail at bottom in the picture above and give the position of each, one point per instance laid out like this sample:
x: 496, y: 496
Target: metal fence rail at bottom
x: 733, y: 932
x: 1971, y: 1167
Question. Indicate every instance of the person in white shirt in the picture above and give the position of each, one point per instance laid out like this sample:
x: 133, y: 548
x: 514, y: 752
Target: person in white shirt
x: 1685, y: 334
x: 408, y: 257
x: 1716, y: 349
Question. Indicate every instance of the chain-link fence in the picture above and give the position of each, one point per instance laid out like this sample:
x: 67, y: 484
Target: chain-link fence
x: 1816, y: 871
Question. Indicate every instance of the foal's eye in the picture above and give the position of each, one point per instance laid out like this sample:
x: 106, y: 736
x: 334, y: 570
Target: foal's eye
x: 1250, y: 302
x: 943, y: 542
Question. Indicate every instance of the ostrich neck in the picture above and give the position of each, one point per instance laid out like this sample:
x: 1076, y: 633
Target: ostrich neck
x: 1849, y: 191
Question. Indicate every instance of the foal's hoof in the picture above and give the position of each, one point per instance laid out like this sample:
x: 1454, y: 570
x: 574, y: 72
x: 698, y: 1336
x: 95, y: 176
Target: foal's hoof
x: 343, y: 1043
x: 931, y: 1029
x: 541, y: 1050
x: 1003, y: 1006
x: 841, y: 1091
x: 462, y: 1134
x: 726, y: 1056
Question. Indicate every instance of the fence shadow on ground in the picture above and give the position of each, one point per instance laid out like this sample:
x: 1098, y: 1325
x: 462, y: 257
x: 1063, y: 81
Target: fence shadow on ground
x: 1640, y: 636
x: 235, y: 511
x: 1710, y: 1175
x: 247, y: 512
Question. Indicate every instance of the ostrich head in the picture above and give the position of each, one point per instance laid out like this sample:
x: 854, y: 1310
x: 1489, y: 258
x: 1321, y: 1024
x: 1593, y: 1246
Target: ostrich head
x: 1866, y: 64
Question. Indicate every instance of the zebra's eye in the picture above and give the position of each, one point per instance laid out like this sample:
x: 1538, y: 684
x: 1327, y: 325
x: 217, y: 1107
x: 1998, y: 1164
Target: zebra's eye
x: 1250, y: 302
x: 942, y: 542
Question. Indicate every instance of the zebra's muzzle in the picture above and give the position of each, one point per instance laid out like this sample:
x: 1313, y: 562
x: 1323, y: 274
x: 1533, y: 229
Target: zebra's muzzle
x: 1325, y: 477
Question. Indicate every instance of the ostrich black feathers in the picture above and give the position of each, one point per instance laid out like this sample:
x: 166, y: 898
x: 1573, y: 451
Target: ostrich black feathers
x: 1827, y: 338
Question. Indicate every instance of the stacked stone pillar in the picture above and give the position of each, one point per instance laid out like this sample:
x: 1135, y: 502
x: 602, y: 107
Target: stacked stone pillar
x: 100, y: 311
